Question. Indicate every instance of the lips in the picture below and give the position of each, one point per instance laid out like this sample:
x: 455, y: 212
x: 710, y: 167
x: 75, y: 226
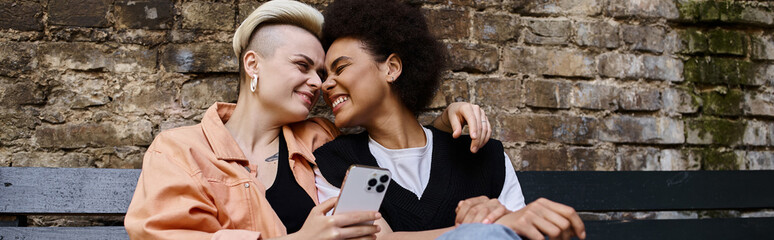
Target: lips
x: 337, y: 100
x: 306, y: 96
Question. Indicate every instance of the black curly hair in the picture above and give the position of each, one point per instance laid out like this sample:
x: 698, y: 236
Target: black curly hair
x: 386, y: 27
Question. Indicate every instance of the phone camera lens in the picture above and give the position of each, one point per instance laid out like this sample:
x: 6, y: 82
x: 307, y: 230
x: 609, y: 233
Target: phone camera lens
x: 384, y: 178
x: 380, y: 188
x: 372, y: 182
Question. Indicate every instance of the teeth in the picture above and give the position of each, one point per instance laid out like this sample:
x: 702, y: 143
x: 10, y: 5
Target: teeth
x: 339, y: 101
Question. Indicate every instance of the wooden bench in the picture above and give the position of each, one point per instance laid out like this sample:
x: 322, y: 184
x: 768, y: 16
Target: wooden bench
x: 88, y: 191
x: 64, y: 191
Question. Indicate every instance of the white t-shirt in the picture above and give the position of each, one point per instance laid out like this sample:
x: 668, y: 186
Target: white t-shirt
x: 410, y: 167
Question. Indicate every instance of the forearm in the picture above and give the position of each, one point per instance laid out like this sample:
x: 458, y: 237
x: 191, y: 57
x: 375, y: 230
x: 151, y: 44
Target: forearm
x: 429, y: 234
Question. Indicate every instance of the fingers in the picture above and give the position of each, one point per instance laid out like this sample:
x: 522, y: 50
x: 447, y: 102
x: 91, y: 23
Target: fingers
x: 568, y: 214
x: 546, y: 227
x: 351, y: 218
x: 456, y: 125
x: 479, y: 210
x: 473, y: 118
x: 566, y: 235
x: 483, y: 131
x: 495, y: 214
x: 470, y: 216
x: 369, y: 237
x: 479, y: 120
x: 561, y: 223
x: 464, y: 207
x: 480, y: 215
x: 486, y: 129
x: 577, y: 226
x: 528, y: 231
x: 324, y: 207
x: 359, y: 231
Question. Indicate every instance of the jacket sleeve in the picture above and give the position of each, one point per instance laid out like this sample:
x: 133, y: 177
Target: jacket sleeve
x: 170, y: 202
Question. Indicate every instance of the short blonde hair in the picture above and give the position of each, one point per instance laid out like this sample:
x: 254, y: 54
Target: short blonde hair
x: 277, y: 12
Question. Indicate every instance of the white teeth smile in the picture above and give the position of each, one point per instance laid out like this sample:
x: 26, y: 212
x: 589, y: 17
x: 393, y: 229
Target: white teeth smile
x: 339, y: 101
x: 306, y: 97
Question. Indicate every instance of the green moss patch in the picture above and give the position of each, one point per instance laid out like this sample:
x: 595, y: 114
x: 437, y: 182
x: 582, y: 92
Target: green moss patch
x: 713, y: 159
x: 727, y: 42
x: 694, y: 41
x: 720, y: 131
x: 715, y: 70
x: 728, y: 104
x: 722, y: 11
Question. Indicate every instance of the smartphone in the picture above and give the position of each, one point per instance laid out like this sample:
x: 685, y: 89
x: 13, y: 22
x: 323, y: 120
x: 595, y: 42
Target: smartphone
x: 363, y: 189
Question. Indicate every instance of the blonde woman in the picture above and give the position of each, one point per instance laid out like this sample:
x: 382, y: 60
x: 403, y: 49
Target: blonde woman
x: 246, y: 171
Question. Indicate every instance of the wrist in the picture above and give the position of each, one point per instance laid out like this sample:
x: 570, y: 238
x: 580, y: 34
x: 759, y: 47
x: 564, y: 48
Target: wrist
x: 442, y: 122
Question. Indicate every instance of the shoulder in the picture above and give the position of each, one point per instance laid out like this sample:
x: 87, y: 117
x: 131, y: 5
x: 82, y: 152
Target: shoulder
x: 341, y: 145
x: 173, y: 139
x: 176, y: 146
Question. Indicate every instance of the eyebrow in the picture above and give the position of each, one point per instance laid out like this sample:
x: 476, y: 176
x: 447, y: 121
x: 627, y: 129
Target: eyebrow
x: 339, y: 59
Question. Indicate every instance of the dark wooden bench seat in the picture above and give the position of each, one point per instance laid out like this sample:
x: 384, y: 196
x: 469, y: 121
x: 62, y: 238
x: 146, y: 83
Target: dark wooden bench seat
x: 88, y: 191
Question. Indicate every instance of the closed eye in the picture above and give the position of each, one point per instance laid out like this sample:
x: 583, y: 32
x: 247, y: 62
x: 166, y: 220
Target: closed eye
x: 303, y: 66
x: 340, y: 68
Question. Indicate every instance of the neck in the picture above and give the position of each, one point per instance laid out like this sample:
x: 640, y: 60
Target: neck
x: 397, y: 128
x: 253, y: 129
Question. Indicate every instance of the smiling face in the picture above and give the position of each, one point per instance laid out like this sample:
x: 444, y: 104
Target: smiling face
x: 289, y: 78
x: 356, y: 87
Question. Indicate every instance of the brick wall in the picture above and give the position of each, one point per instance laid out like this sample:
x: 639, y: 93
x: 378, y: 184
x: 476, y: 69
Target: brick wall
x: 569, y: 84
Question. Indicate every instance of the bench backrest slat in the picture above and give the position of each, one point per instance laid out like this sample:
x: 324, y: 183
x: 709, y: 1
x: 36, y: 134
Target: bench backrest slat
x: 66, y: 190
x: 109, y: 191
x: 652, y: 191
x: 80, y: 233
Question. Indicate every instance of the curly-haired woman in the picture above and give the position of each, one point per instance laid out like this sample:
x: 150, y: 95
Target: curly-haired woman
x: 383, y: 69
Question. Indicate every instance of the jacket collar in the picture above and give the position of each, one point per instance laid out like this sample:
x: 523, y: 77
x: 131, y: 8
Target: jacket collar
x: 226, y: 148
x: 296, y: 147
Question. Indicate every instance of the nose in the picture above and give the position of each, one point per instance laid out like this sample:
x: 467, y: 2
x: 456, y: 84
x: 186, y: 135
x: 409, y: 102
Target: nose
x: 314, y: 81
x: 329, y: 84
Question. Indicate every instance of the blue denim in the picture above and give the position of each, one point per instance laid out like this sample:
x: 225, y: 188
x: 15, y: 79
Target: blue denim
x: 479, y: 231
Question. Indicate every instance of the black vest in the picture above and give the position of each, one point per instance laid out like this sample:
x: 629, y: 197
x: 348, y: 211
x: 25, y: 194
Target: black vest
x: 456, y: 174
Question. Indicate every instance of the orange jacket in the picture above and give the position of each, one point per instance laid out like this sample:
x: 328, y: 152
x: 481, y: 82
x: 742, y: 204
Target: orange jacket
x: 194, y: 184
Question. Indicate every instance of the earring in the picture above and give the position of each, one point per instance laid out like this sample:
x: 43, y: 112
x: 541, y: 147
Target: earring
x: 254, y: 83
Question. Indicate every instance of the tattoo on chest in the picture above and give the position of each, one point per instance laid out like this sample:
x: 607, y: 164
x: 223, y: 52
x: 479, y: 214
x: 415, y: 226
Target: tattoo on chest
x: 272, y: 158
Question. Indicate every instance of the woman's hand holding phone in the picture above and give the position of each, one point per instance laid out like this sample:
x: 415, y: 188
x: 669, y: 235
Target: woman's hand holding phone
x: 339, y: 226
